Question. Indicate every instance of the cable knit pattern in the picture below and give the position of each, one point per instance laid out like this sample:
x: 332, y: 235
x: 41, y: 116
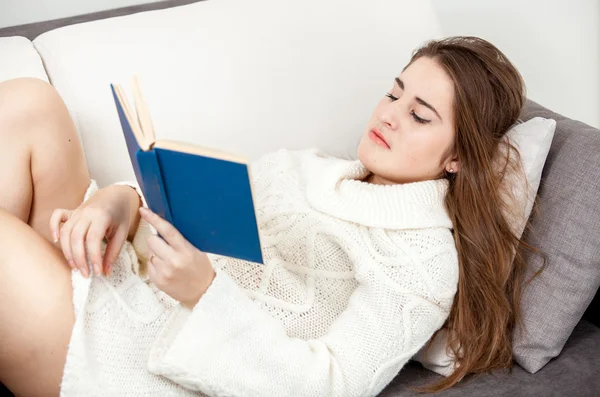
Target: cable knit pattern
x: 357, y: 277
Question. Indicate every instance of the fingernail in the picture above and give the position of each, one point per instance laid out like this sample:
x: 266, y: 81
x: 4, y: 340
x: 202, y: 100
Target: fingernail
x: 55, y: 237
x: 71, y: 263
x: 84, y: 271
x: 97, y: 269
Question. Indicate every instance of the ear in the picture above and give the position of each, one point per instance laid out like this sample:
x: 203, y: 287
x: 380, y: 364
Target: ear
x: 453, y: 164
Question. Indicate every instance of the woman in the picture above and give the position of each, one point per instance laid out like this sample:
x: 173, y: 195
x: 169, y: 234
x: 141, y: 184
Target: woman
x: 365, y: 261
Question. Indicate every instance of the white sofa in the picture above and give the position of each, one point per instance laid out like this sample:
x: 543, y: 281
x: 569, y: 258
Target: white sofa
x: 250, y: 77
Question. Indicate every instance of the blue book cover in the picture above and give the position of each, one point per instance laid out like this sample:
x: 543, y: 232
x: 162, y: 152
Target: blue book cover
x: 206, y: 194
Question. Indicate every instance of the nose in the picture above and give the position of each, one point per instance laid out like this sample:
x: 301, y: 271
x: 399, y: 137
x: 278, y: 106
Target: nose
x: 389, y: 116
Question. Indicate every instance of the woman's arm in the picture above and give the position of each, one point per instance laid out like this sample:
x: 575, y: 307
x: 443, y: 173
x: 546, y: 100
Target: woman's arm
x: 229, y: 345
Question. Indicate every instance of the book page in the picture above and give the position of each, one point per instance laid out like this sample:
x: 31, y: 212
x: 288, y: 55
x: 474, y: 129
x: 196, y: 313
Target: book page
x: 133, y: 122
x: 142, y: 111
x: 199, y: 150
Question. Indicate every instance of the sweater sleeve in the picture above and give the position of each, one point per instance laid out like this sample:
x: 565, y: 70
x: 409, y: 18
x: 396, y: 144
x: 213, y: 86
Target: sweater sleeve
x: 229, y: 346
x: 438, y: 358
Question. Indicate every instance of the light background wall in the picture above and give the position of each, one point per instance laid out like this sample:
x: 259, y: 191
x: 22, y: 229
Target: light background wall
x: 20, y: 12
x: 554, y: 43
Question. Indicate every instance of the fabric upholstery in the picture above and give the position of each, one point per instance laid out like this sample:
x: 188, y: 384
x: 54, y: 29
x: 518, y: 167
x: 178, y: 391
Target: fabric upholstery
x: 574, y: 373
x: 18, y: 58
x: 566, y: 229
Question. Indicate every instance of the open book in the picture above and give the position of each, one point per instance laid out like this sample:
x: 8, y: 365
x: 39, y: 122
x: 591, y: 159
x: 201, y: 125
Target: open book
x: 206, y: 194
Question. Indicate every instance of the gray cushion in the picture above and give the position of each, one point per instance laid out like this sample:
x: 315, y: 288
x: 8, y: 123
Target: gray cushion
x: 567, y: 230
x: 574, y: 373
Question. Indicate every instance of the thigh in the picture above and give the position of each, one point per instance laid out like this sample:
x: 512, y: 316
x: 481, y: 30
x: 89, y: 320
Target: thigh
x: 36, y: 311
x: 59, y: 171
x: 42, y: 165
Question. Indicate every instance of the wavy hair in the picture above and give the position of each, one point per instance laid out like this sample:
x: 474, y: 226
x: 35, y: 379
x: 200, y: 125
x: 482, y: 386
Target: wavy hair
x: 489, y: 96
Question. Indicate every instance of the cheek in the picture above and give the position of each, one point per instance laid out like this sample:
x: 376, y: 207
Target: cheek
x: 425, y: 148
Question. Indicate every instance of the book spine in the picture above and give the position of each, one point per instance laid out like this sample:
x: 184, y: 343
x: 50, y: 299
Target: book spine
x: 154, y: 188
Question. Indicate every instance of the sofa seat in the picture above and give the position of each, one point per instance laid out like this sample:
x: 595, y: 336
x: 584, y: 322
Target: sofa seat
x: 574, y: 373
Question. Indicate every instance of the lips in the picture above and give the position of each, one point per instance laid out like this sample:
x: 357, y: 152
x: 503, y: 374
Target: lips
x: 377, y: 137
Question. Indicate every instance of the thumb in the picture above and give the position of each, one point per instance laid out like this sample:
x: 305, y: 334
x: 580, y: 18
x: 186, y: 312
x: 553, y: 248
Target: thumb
x: 113, y: 248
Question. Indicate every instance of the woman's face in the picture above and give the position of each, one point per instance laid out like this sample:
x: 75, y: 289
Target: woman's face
x: 416, y: 122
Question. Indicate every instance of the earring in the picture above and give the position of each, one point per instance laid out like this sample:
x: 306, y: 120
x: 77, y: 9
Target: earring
x: 451, y: 170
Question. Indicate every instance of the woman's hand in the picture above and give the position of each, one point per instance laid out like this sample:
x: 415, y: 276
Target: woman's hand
x: 175, y: 266
x: 110, y: 213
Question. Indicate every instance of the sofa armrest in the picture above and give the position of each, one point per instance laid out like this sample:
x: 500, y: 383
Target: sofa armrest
x: 20, y: 59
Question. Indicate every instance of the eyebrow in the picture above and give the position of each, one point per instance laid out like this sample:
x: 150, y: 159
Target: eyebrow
x: 419, y: 100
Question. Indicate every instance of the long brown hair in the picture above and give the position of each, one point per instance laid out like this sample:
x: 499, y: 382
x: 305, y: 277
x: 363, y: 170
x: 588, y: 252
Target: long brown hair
x: 489, y: 96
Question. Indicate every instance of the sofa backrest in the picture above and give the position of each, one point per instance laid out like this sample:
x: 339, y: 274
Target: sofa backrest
x: 243, y: 76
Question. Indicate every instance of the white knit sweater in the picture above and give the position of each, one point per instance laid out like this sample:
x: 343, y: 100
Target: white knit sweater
x: 357, y: 278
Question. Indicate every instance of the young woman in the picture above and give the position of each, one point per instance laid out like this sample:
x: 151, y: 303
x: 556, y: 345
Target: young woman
x: 365, y: 260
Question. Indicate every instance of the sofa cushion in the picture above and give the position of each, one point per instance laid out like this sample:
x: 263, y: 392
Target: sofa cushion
x: 567, y: 231
x: 247, y: 77
x: 18, y: 58
x: 573, y: 373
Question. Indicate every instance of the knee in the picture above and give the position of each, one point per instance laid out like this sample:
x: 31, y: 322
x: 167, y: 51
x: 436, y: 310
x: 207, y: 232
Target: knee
x: 27, y: 102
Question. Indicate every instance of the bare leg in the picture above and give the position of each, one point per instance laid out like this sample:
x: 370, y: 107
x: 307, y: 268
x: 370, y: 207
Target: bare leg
x: 36, y: 311
x: 42, y: 165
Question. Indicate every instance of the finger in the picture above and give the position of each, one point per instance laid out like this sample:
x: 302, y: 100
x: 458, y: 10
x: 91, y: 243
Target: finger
x: 162, y: 272
x: 78, y: 240
x: 65, y: 242
x: 93, y: 240
x: 164, y: 228
x: 58, y: 216
x: 161, y: 249
x: 151, y: 269
x: 113, y: 248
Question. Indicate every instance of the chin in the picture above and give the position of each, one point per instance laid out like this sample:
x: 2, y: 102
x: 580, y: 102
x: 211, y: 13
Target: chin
x: 368, y: 156
x: 379, y: 162
x: 361, y: 152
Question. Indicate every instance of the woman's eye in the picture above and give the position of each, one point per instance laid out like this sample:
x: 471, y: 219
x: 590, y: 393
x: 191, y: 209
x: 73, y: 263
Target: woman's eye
x: 393, y: 98
x: 419, y: 119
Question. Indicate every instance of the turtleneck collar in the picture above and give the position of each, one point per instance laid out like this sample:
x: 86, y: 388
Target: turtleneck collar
x: 334, y: 186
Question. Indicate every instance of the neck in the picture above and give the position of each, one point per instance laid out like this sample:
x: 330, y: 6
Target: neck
x: 377, y: 180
